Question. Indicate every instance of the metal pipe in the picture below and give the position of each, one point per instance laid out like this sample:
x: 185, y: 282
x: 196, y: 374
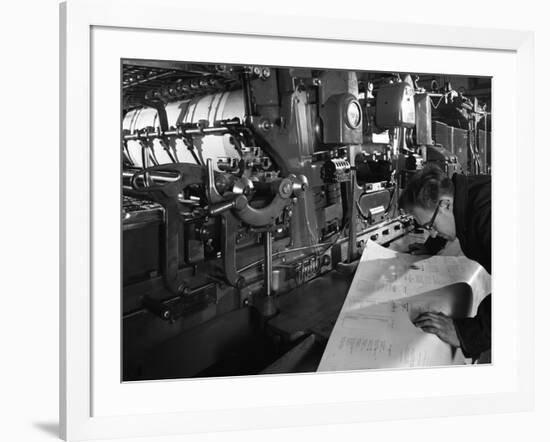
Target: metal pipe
x: 176, y: 133
x: 154, y: 177
x: 485, y: 143
x: 352, y: 245
x: 268, y: 262
x: 284, y: 252
x: 147, y: 79
x: 247, y: 95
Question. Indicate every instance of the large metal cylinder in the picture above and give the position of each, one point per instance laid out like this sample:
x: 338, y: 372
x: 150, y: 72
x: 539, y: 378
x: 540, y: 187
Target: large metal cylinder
x: 212, y: 107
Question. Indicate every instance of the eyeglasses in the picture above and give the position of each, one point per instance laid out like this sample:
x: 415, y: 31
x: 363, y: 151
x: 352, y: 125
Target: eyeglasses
x: 430, y: 224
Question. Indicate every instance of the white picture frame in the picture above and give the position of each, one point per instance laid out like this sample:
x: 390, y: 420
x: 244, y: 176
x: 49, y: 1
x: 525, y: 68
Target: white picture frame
x: 82, y: 376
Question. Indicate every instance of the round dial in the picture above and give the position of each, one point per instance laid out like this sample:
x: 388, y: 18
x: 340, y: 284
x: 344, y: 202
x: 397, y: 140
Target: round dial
x: 353, y: 114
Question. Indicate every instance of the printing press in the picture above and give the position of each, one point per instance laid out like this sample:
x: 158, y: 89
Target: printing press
x: 248, y: 193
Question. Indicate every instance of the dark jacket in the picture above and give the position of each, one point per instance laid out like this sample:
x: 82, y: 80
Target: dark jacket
x: 472, y: 212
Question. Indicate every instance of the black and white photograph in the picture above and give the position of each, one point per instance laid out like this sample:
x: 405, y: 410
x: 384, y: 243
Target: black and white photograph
x: 263, y: 221
x: 248, y: 221
x: 281, y: 220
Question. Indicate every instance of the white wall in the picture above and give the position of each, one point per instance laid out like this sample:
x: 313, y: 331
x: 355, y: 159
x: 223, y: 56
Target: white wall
x: 29, y: 237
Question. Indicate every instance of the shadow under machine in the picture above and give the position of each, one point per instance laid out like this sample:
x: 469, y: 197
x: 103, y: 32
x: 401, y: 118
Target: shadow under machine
x: 248, y: 193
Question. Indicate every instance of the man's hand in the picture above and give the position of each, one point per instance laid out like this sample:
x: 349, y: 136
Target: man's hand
x: 440, y: 325
x: 418, y: 248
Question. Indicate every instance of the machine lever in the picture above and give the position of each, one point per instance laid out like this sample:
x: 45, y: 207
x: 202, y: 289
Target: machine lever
x: 216, y: 209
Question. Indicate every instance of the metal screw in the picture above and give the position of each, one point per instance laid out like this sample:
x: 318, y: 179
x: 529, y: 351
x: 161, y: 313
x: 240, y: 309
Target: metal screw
x: 266, y: 125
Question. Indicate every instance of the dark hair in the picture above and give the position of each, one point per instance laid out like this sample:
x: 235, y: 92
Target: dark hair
x: 426, y: 188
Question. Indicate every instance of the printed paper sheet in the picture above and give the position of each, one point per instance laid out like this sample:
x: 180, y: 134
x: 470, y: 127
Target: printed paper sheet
x: 389, y: 289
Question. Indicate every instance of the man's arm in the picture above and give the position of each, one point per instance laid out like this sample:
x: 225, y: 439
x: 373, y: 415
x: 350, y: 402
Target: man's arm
x: 474, y: 333
x: 435, y: 245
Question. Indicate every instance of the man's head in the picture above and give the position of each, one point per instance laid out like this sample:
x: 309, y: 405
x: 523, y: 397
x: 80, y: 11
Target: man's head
x: 429, y: 199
